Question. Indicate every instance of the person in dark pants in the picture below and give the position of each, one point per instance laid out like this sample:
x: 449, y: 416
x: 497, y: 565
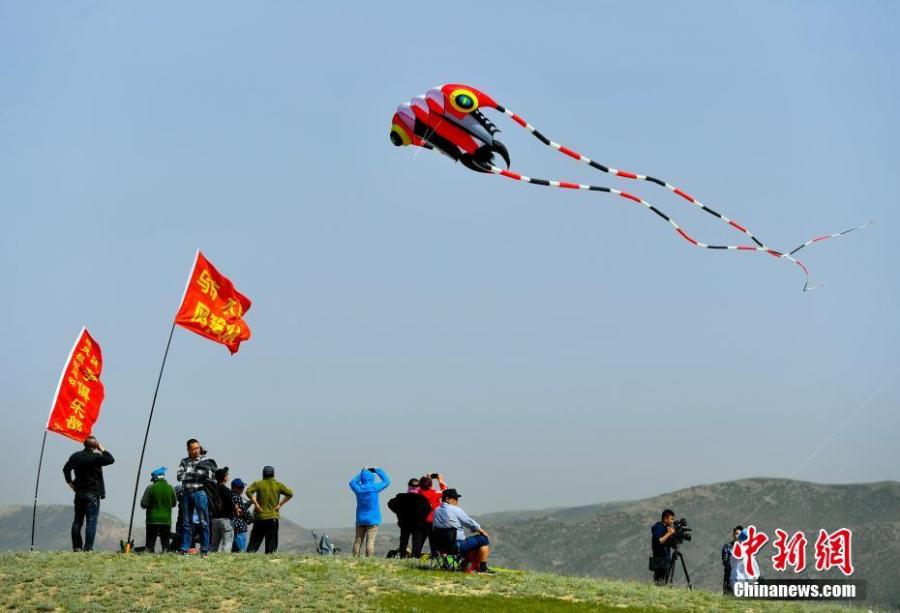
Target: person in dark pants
x: 158, y: 500
x: 661, y: 532
x: 267, y: 496
x: 412, y: 510
x: 727, y: 588
x: 89, y: 489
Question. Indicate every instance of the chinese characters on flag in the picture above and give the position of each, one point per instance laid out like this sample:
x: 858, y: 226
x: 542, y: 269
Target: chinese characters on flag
x: 79, y: 394
x: 212, y: 307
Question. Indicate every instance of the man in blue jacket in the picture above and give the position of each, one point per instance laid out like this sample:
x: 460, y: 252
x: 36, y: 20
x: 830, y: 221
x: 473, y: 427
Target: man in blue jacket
x: 368, y: 509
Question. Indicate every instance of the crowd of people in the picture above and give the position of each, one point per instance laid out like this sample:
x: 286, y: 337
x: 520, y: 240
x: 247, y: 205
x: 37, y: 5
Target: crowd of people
x: 212, y: 515
x: 424, y: 512
x: 217, y: 516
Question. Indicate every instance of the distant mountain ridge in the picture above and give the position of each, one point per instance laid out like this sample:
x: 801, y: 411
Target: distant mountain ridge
x: 613, y: 539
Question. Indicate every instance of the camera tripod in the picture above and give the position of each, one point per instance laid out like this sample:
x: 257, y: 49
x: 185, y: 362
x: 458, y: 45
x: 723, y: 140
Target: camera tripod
x: 670, y: 575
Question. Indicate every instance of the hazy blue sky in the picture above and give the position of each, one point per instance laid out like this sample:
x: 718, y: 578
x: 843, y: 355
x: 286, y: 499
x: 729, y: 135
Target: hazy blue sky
x: 541, y: 348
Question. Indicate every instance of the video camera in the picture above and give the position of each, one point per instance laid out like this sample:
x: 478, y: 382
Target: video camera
x: 682, y: 533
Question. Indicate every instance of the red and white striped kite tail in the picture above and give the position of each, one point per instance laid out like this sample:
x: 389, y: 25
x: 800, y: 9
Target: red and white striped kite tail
x: 681, y: 232
x: 629, y: 175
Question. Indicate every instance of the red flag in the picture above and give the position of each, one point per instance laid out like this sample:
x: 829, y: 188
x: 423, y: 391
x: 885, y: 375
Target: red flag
x: 212, y: 307
x: 79, y: 393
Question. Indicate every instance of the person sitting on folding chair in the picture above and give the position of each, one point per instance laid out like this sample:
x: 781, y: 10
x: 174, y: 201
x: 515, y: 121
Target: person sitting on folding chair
x: 475, y: 548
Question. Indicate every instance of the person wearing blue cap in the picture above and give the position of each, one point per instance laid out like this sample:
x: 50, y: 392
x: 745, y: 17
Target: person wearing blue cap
x: 159, y: 500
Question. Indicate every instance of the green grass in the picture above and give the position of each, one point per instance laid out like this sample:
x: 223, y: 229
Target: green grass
x: 117, y: 582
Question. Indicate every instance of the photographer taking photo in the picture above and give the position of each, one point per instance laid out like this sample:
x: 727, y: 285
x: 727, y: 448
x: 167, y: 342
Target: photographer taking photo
x: 661, y: 546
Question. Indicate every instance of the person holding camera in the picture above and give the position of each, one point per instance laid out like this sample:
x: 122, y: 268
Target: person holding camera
x: 368, y: 509
x: 661, y: 545
x: 426, y: 488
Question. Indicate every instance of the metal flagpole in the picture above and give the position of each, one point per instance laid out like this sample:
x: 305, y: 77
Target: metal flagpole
x: 128, y: 545
x: 37, y: 480
x: 137, y: 479
x: 37, y: 483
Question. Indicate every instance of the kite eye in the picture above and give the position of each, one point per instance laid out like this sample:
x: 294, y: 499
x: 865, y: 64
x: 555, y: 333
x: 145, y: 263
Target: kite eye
x: 463, y: 100
x: 399, y: 136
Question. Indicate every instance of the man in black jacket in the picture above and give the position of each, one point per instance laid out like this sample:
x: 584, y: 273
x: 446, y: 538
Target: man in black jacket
x: 89, y: 489
x: 412, y: 509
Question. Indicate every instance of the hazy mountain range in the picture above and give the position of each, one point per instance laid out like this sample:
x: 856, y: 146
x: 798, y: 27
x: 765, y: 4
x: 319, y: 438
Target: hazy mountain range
x: 613, y: 539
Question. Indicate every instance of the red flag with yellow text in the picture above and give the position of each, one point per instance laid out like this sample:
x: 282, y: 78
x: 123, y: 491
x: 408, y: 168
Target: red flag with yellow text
x: 212, y: 307
x: 79, y: 393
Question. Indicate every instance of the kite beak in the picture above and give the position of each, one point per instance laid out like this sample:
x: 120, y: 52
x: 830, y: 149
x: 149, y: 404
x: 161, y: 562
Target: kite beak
x: 500, y: 149
x: 483, y: 158
x: 494, y: 145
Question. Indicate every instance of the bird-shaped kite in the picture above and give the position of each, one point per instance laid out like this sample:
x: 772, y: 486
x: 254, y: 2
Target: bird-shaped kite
x: 449, y: 118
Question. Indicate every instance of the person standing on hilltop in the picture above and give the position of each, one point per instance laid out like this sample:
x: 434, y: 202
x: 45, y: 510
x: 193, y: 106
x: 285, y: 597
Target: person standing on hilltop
x: 727, y: 588
x: 426, y: 488
x: 222, y: 535
x: 242, y: 516
x: 158, y: 500
x: 193, y: 473
x: 412, y: 509
x: 368, y: 510
x: 661, y: 546
x: 267, y: 496
x: 89, y: 489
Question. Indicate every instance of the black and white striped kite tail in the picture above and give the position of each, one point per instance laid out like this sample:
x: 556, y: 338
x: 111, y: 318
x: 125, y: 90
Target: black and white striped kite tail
x: 825, y: 237
x: 681, y: 232
x: 760, y: 246
x: 629, y: 175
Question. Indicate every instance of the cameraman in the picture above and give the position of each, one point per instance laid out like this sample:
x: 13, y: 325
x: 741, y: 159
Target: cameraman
x: 661, y: 533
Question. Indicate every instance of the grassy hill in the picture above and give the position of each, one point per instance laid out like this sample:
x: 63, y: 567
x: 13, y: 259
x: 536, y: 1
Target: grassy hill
x: 118, y: 582
x: 612, y: 539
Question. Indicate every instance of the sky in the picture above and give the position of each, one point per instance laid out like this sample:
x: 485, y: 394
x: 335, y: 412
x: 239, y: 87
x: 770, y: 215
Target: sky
x: 538, y: 347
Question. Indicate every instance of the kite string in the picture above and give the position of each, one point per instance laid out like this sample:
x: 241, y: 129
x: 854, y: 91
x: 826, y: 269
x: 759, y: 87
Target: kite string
x: 811, y: 456
x: 509, y: 174
x: 629, y: 175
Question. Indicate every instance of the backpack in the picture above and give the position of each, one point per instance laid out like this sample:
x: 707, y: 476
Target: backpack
x: 213, y: 499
